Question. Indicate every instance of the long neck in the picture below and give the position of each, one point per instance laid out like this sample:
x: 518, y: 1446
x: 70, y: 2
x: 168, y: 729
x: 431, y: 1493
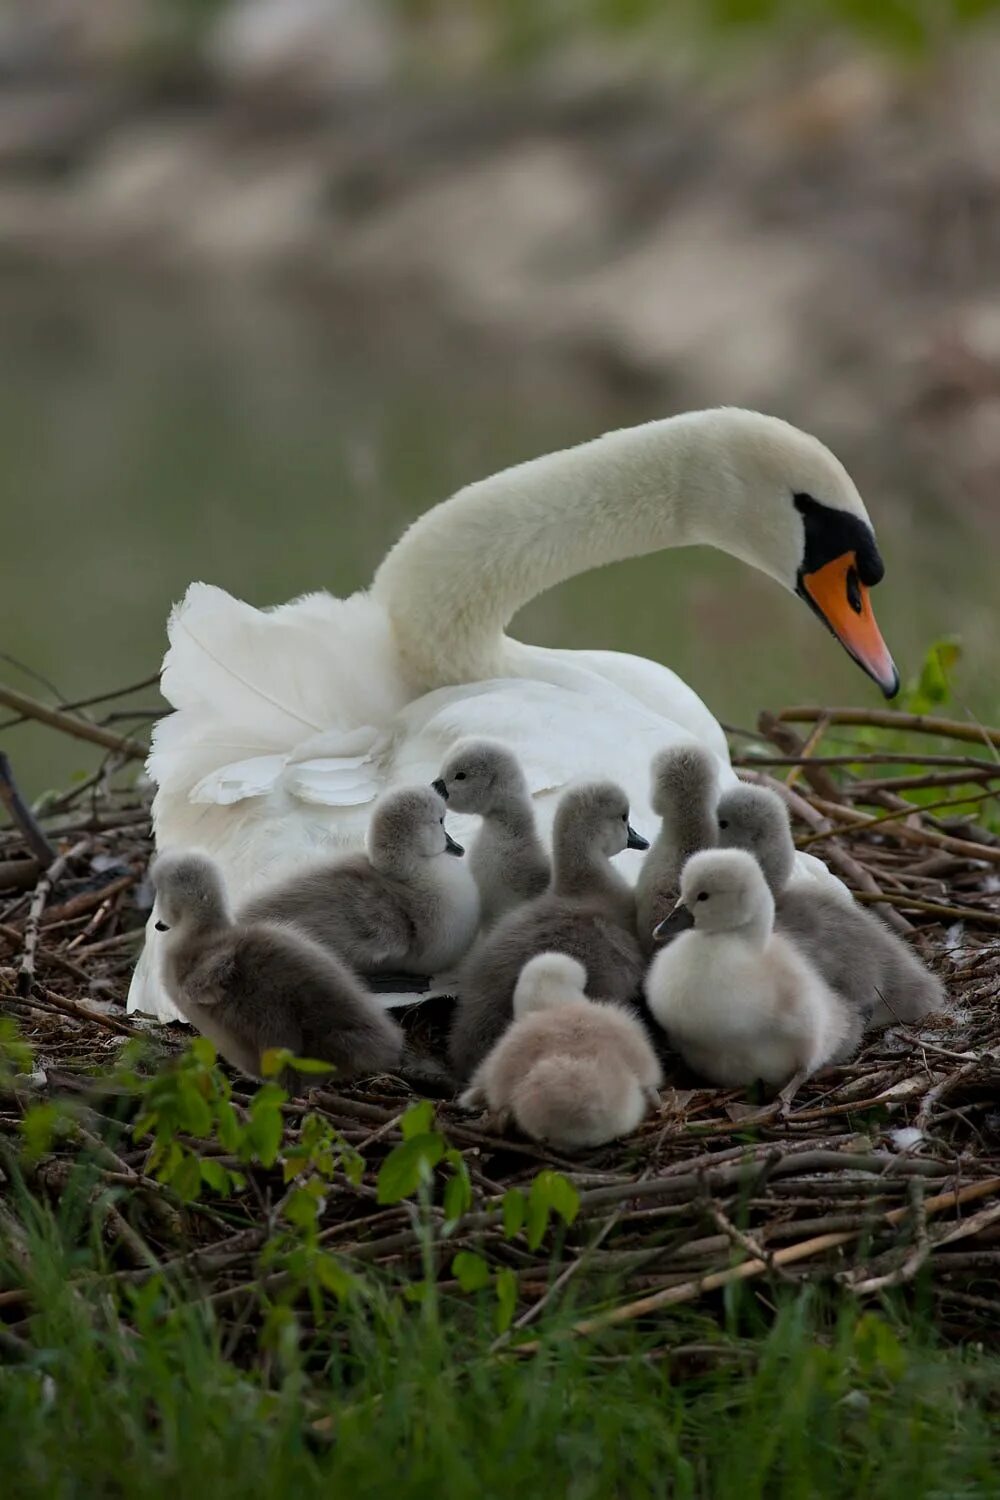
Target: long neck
x: 460, y: 573
x: 579, y: 870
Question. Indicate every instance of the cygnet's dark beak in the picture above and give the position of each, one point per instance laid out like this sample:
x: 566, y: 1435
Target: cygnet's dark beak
x: 636, y: 840
x: 440, y: 788
x: 161, y: 926
x: 450, y: 847
x: 679, y: 920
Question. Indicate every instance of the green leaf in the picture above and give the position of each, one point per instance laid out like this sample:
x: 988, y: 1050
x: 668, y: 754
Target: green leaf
x: 332, y: 1275
x: 311, y: 1065
x: 537, y: 1219
x: 228, y: 1125
x: 562, y: 1196
x: 202, y: 1051
x: 457, y: 1199
x: 302, y: 1208
x: 514, y: 1208
x: 506, y: 1290
x: 196, y: 1115
x: 39, y: 1127
x: 215, y: 1175
x: 273, y: 1060
x: 185, y: 1179
x: 407, y: 1166
x: 471, y: 1270
x: 417, y: 1120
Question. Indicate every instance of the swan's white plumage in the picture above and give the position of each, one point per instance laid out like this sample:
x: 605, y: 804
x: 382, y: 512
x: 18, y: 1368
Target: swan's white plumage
x: 290, y: 721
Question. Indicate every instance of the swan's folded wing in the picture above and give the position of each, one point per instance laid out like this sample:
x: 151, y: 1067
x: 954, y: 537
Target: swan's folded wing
x: 146, y: 992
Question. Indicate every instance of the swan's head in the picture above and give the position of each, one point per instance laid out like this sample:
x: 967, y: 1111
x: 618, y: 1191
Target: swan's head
x: 479, y: 776
x: 408, y: 825
x: 725, y: 890
x: 189, y: 891
x: 549, y: 979
x: 755, y: 819
x: 817, y: 539
x: 594, y: 816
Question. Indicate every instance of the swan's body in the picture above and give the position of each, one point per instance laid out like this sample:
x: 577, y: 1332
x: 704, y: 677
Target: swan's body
x: 291, y: 722
x: 737, y: 1000
x: 570, y: 1071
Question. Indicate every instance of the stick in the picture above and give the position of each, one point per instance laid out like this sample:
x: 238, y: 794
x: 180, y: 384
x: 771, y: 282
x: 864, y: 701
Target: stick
x: 80, y: 729
x: 22, y: 815
x: 26, y: 972
x: 890, y: 718
x: 46, y: 955
x: 689, y: 1291
x: 936, y: 908
x: 81, y: 1012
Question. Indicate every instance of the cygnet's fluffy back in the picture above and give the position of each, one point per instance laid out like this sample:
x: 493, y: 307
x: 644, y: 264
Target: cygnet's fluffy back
x: 883, y: 979
x: 507, y: 858
x: 572, y: 1072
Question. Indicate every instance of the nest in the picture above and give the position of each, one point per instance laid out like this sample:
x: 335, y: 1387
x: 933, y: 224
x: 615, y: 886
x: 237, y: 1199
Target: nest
x: 885, y: 1171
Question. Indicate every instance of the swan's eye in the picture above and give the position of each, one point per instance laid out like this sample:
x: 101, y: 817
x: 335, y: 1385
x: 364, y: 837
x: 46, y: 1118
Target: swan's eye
x: 459, y: 775
x: 723, y: 822
x: 853, y: 590
x: 702, y: 896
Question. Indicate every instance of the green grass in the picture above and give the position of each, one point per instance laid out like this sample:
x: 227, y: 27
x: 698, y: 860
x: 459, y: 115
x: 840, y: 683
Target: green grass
x: 385, y: 1397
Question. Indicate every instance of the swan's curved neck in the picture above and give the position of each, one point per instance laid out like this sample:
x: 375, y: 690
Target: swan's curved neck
x: 459, y: 574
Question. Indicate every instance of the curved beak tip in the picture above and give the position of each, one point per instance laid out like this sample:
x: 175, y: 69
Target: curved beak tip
x: 636, y: 840
x: 451, y: 847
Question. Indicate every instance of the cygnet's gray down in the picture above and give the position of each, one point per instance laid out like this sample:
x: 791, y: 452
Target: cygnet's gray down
x: 251, y: 986
x: 405, y: 905
x: 589, y: 913
x: 854, y: 951
x: 507, y: 858
x: 570, y: 1071
x: 685, y: 778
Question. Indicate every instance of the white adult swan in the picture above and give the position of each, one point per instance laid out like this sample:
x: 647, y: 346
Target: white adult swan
x: 289, y: 722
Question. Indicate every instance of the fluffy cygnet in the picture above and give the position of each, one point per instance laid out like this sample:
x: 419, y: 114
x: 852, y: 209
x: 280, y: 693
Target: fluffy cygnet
x: 685, y: 779
x: 250, y: 986
x: 571, y: 1072
x: 507, y: 858
x: 883, y: 980
x: 588, y: 913
x: 737, y: 1000
x: 405, y: 905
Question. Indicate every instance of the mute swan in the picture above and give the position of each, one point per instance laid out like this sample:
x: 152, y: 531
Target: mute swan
x: 737, y: 1000
x: 252, y: 986
x: 573, y: 1072
x: 589, y: 913
x: 506, y: 857
x: 289, y: 722
x: 881, y: 978
x: 404, y: 905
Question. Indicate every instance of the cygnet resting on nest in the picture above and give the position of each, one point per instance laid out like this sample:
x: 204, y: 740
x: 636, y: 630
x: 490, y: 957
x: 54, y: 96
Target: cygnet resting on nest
x: 405, y: 905
x: 737, y: 1000
x: 684, y: 782
x: 589, y: 913
x: 507, y: 858
x: 855, y: 952
x: 251, y: 986
x: 572, y: 1072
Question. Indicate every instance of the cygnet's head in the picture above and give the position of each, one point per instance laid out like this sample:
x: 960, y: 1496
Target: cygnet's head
x: 408, y: 825
x: 480, y: 775
x: 803, y: 522
x: 190, y: 891
x: 724, y: 890
x: 755, y: 819
x: 594, y: 816
x: 549, y: 979
x: 682, y: 775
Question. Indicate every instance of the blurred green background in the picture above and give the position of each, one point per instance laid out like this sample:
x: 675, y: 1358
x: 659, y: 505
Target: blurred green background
x: 276, y: 277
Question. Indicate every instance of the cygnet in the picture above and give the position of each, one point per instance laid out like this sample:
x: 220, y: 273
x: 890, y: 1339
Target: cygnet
x: 589, y: 913
x: 507, y: 858
x: 737, y: 1000
x: 571, y: 1072
x: 405, y: 905
x: 685, y: 780
x: 883, y: 980
x: 251, y: 986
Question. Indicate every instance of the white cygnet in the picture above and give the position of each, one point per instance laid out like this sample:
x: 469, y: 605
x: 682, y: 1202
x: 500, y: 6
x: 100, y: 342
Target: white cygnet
x: 571, y: 1072
x: 405, y: 905
x: 507, y: 858
x: 738, y: 1001
x: 251, y: 986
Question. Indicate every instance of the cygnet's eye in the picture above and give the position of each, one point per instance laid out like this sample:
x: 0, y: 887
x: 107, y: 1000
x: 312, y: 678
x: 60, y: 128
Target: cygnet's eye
x: 702, y: 896
x: 459, y: 775
x: 441, y: 821
x: 723, y: 822
x: 624, y: 817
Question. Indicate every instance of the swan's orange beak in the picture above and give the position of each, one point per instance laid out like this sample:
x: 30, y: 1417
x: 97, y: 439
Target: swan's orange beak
x: 839, y: 597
